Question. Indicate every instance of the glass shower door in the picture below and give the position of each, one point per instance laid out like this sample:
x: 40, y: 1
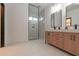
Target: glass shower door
x: 33, y: 22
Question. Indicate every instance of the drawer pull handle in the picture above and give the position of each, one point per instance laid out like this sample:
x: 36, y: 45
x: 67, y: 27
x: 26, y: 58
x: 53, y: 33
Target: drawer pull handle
x: 74, y: 37
x: 71, y: 37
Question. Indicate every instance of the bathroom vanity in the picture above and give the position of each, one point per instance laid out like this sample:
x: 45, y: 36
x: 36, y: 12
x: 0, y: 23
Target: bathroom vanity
x: 64, y: 39
x: 65, y: 32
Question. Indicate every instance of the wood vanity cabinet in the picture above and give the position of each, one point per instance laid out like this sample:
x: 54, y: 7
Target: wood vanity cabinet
x: 68, y: 41
x: 71, y: 43
x: 76, y: 43
x: 48, y: 37
x: 59, y: 39
x: 54, y: 38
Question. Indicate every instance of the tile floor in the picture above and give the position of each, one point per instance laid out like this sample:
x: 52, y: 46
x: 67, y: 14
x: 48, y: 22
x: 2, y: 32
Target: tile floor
x: 32, y: 48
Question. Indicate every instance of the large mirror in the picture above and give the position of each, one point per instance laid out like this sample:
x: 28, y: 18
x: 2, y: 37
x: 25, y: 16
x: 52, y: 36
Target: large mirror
x: 56, y: 19
x: 72, y: 11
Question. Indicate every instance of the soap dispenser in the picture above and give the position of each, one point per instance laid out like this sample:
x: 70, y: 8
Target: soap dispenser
x: 75, y: 26
x: 66, y: 28
x: 54, y: 28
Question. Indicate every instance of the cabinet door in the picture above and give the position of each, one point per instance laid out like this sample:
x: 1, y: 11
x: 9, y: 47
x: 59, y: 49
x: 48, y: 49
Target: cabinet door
x: 46, y: 36
x: 59, y: 40
x: 68, y: 42
x: 53, y: 36
x: 76, y: 41
x: 50, y: 38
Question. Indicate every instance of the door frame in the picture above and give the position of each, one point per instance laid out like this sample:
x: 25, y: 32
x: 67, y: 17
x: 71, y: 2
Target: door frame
x: 2, y: 25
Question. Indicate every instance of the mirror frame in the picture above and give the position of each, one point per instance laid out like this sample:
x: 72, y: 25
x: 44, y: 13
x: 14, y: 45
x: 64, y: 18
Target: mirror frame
x: 53, y: 20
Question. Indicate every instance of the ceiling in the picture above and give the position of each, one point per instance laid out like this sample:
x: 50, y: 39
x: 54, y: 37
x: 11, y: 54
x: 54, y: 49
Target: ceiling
x: 42, y: 5
x: 72, y: 6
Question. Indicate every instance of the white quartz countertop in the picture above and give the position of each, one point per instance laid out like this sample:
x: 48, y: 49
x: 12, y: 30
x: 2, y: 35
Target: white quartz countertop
x: 77, y: 31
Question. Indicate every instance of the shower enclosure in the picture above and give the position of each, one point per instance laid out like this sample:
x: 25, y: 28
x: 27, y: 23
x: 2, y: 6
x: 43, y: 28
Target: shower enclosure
x: 33, y: 22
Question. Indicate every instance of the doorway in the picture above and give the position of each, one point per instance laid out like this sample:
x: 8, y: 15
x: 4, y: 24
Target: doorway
x: 33, y: 22
x: 2, y: 25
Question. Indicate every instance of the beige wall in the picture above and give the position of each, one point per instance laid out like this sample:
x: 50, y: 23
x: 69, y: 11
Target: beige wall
x: 16, y: 23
